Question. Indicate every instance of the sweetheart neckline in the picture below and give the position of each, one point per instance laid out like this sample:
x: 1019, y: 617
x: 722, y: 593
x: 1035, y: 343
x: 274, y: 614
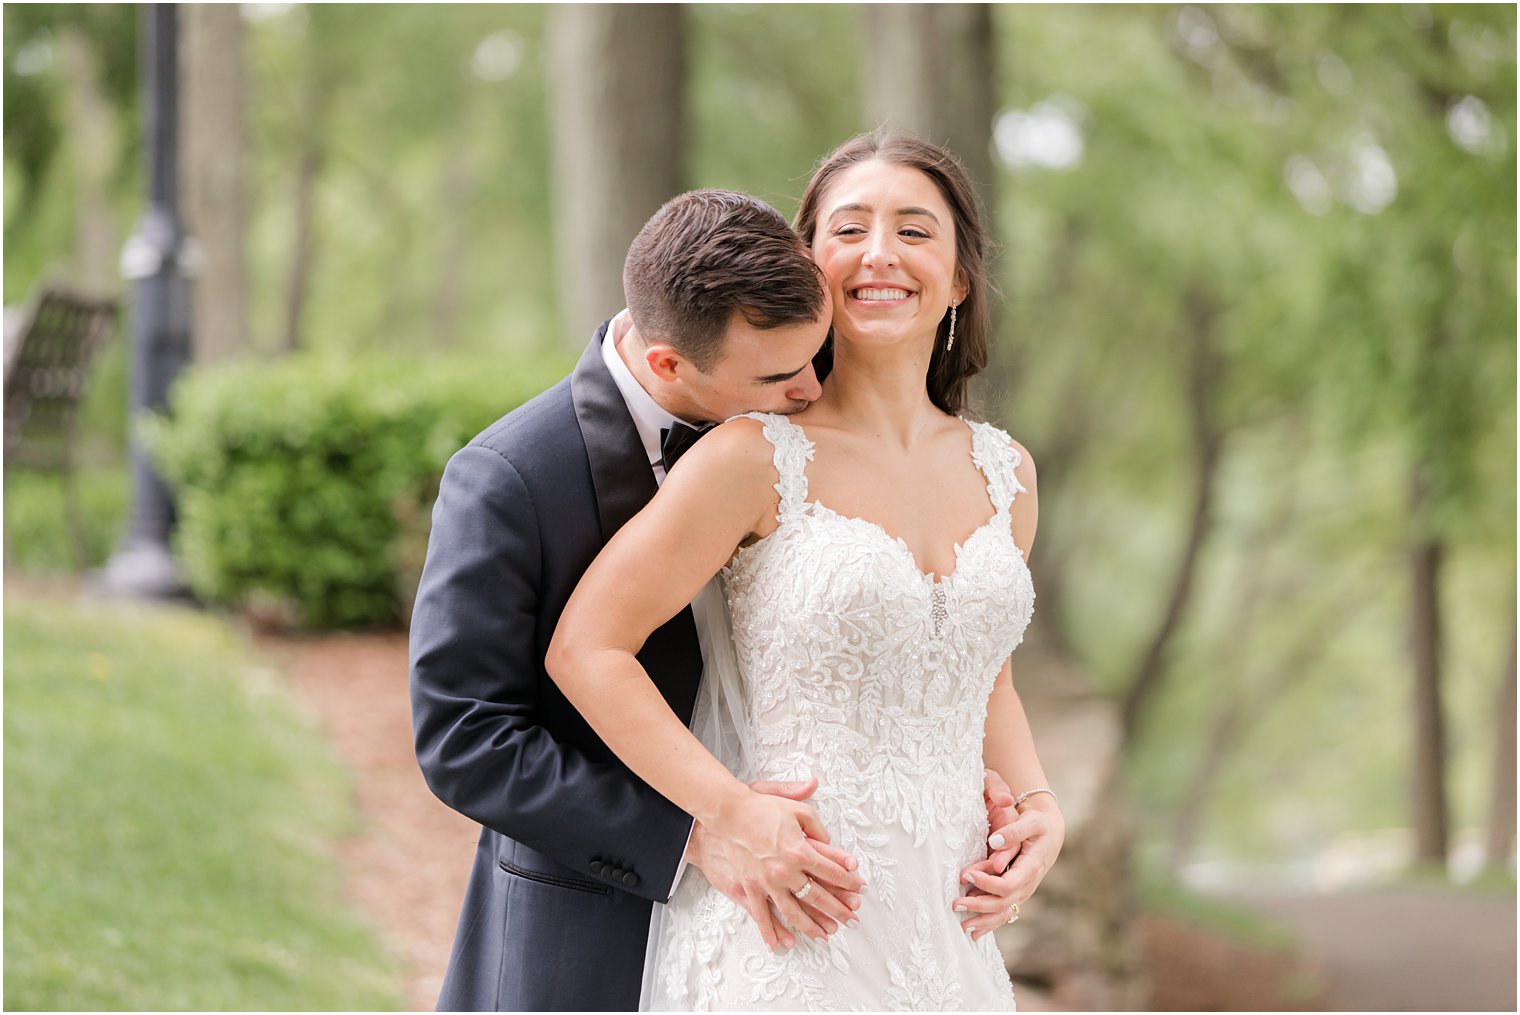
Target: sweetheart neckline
x: 811, y: 507
x: 929, y: 577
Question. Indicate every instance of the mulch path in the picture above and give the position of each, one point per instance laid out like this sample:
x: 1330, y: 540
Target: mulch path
x: 1190, y: 969
x: 1407, y: 947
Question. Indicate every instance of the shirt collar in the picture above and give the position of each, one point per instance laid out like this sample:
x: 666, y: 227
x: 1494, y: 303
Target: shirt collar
x: 648, y: 418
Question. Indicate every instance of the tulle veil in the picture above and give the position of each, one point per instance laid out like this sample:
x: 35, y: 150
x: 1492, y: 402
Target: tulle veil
x: 718, y: 720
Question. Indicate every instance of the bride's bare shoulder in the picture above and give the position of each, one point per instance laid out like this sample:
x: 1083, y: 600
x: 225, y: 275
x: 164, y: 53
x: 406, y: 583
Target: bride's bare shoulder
x: 1025, y: 469
x: 727, y: 478
x: 735, y: 452
x: 1026, y: 502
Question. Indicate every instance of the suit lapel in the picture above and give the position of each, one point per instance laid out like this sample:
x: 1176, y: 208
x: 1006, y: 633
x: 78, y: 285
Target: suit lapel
x: 624, y: 483
x: 620, y: 473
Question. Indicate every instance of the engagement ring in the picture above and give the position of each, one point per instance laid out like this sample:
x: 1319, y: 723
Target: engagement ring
x: 802, y: 892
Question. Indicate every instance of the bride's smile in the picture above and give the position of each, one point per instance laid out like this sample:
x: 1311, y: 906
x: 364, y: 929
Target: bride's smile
x: 887, y: 246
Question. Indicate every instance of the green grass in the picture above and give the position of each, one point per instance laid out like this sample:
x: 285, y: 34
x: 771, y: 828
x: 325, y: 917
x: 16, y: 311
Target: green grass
x: 36, y: 527
x: 1498, y: 884
x: 168, y: 824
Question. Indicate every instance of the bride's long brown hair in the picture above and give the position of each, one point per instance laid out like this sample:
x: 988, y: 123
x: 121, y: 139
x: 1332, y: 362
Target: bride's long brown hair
x: 949, y: 372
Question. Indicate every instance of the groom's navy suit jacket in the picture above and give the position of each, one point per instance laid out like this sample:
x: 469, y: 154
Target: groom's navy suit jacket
x: 574, y: 848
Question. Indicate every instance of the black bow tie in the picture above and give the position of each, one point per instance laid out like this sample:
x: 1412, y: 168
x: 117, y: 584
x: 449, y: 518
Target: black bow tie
x: 675, y: 439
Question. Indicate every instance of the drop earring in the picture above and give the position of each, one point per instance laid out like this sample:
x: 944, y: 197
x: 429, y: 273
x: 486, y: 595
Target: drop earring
x: 950, y: 341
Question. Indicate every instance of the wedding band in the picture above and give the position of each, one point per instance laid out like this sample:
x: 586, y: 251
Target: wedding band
x: 802, y: 892
x: 1013, y: 913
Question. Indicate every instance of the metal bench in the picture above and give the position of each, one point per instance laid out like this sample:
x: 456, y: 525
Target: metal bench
x: 45, y: 377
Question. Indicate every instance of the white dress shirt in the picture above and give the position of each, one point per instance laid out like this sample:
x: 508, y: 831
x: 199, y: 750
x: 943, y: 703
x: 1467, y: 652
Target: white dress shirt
x: 649, y: 419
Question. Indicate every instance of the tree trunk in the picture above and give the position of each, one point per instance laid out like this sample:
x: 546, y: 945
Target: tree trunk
x: 457, y: 189
x: 1429, y: 775
x: 931, y: 72
x: 310, y: 158
x: 617, y: 115
x: 213, y: 165
x: 93, y: 136
x: 1208, y: 439
x: 1501, y: 818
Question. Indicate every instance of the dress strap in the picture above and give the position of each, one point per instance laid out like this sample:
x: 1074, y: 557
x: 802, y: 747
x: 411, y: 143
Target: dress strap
x: 793, y: 451
x: 993, y: 452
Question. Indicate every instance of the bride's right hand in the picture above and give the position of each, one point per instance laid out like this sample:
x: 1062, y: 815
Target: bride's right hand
x: 768, y: 844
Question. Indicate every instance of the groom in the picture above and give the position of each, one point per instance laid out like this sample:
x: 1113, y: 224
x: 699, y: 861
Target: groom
x: 726, y: 311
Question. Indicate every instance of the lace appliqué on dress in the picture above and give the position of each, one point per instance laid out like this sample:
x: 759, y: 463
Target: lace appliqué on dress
x: 863, y: 671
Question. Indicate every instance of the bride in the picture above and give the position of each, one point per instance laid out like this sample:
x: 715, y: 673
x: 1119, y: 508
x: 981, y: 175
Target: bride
x: 872, y: 554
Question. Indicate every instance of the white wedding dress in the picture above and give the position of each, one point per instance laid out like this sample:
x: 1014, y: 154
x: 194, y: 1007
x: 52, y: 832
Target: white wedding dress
x: 850, y: 664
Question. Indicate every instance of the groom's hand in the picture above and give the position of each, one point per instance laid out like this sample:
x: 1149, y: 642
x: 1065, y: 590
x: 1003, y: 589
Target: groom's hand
x: 760, y: 867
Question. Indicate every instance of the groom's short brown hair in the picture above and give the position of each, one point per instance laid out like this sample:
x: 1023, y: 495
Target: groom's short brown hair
x: 709, y: 254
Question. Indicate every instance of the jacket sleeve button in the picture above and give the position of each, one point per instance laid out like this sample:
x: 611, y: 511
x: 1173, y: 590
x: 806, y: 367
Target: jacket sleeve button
x: 630, y: 878
x: 597, y: 867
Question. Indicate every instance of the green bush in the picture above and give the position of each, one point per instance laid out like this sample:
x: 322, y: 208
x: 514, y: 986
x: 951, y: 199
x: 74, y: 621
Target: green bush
x: 305, y: 485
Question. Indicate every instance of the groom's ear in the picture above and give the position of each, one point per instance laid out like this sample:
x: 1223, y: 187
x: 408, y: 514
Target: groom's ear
x: 664, y: 362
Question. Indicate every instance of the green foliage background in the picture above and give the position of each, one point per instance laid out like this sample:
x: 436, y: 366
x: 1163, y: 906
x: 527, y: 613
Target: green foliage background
x: 1355, y: 338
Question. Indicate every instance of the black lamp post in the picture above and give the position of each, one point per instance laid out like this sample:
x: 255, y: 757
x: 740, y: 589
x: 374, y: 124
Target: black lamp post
x: 153, y: 258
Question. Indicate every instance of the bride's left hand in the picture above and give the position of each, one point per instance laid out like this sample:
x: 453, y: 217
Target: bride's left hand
x: 1034, y: 838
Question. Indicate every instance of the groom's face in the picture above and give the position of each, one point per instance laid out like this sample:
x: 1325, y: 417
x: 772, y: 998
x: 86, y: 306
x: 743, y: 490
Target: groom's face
x: 760, y: 370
